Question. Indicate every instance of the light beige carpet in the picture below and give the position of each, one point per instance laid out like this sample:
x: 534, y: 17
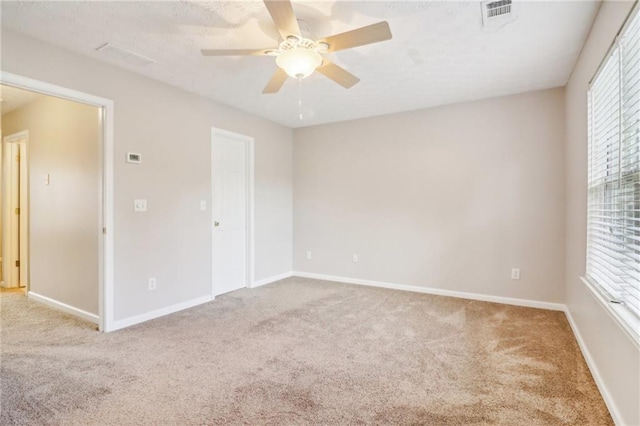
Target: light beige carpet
x: 300, y: 352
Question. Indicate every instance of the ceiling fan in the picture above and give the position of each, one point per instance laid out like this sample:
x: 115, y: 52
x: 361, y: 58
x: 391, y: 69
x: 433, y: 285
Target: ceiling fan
x: 298, y: 56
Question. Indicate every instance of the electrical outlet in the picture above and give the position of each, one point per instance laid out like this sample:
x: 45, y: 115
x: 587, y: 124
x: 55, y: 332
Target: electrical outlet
x: 355, y: 258
x: 515, y: 274
x: 152, y: 284
x: 308, y: 254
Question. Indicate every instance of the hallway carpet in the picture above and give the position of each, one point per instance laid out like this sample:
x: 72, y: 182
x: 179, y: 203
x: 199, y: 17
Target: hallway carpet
x: 299, y: 352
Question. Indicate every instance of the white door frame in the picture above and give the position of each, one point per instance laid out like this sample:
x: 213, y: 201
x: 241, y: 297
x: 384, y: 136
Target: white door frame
x: 23, y: 231
x: 104, y: 227
x: 250, y: 202
x: 2, y: 225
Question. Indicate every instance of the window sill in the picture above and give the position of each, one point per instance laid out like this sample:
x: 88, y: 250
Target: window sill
x: 628, y: 322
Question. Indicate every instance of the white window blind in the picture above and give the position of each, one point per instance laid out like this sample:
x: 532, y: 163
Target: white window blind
x: 613, y: 234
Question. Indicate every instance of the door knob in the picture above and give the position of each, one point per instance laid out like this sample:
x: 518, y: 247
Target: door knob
x: 216, y: 224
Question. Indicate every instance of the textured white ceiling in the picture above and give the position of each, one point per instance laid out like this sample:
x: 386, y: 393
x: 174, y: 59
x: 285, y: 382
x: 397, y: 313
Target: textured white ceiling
x: 440, y: 52
x: 13, y: 98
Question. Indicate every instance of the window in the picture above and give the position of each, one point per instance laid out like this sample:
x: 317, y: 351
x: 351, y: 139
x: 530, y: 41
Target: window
x: 613, y: 230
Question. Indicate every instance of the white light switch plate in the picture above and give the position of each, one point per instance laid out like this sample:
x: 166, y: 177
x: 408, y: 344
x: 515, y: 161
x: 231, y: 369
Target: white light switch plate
x: 203, y: 204
x: 139, y: 205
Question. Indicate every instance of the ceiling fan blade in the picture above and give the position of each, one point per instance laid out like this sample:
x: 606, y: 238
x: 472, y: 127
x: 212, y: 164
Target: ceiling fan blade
x: 281, y: 12
x: 234, y: 52
x: 276, y: 81
x: 359, y: 37
x: 338, y: 74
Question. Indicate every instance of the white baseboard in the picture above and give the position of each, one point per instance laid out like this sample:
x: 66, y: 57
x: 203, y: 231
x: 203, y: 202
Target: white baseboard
x: 128, y: 322
x: 63, y: 307
x: 437, y: 291
x: 608, y: 399
x: 272, y: 279
x: 137, y: 319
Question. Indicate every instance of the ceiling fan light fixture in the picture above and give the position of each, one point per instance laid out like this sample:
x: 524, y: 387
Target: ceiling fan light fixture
x: 299, y: 62
x: 299, y: 53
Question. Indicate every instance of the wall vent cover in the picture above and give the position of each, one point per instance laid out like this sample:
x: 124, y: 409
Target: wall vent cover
x: 127, y: 56
x: 496, y: 10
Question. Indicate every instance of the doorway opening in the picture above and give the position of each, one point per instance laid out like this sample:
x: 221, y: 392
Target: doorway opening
x: 59, y: 141
x: 14, y: 212
x: 61, y: 190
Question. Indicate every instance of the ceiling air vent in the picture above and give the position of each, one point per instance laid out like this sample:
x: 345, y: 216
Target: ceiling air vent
x: 127, y: 56
x: 496, y: 10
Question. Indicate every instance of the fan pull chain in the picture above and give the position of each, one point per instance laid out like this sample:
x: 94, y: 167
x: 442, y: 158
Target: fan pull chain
x: 300, y: 98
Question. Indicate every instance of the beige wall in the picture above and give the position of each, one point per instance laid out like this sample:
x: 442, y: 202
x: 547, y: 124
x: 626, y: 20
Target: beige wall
x: 64, y: 140
x: 616, y: 358
x: 450, y: 197
x: 172, y: 130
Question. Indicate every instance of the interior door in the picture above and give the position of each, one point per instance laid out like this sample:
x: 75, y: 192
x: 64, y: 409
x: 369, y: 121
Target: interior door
x: 230, y: 200
x: 11, y: 235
